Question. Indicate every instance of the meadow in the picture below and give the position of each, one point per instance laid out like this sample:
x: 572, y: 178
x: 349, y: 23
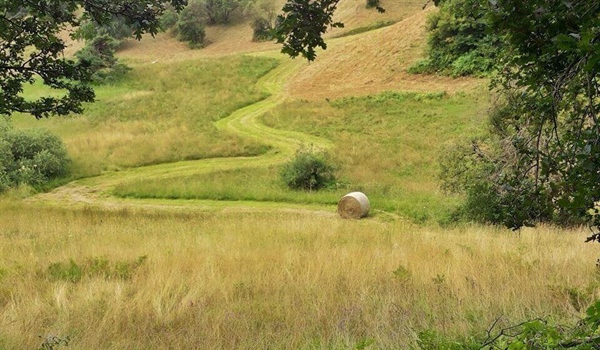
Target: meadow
x: 386, y: 145
x: 160, y: 113
x: 248, y: 279
x: 174, y: 230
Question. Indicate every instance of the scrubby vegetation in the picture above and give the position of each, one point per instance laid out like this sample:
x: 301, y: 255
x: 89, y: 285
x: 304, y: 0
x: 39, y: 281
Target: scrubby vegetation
x: 459, y: 40
x: 190, y: 25
x: 30, y: 158
x: 309, y: 170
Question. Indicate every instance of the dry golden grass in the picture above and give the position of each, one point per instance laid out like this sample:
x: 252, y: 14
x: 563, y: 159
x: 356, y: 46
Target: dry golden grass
x: 275, y: 280
x: 236, y: 38
x: 375, y: 62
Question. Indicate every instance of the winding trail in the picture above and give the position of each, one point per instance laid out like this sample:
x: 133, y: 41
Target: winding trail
x: 96, y: 191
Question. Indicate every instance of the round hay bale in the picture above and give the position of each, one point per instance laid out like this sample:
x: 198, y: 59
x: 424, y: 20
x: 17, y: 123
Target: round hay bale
x: 354, y: 205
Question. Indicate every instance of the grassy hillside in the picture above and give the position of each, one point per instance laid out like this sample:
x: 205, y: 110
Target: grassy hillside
x: 161, y: 113
x: 386, y: 145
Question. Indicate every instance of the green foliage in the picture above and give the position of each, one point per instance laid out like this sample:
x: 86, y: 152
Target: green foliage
x: 169, y: 19
x: 265, y: 19
x: 262, y: 30
x: 459, y: 43
x: 221, y: 11
x: 309, y: 170
x: 302, y: 24
x: 542, y: 334
x: 99, y: 56
x: 117, y: 28
x: 31, y: 48
x: 372, y: 3
x: 30, y: 157
x: 94, y: 267
x: 190, y: 26
x: 541, y: 160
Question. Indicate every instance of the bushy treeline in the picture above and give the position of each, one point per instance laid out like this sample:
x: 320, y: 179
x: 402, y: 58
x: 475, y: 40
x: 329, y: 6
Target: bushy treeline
x: 540, y: 161
x: 30, y: 157
x: 189, y: 25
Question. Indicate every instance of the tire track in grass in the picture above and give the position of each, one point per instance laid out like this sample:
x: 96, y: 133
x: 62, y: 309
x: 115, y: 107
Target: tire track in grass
x: 96, y: 191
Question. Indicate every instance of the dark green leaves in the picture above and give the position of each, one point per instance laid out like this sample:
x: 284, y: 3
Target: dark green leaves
x: 542, y: 159
x: 302, y: 25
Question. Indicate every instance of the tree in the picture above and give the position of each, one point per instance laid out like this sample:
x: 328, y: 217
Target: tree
x: 264, y: 22
x: 31, y: 48
x: 220, y: 11
x: 459, y: 42
x: 542, y: 159
x: 190, y: 25
x: 301, y: 26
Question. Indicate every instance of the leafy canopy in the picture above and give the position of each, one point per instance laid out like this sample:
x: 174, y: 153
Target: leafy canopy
x: 542, y: 159
x: 301, y: 26
x: 31, y: 48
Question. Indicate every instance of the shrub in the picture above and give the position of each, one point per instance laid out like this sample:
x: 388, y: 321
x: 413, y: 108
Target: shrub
x: 372, y: 3
x: 261, y: 29
x: 190, y: 26
x: 458, y: 42
x: 31, y: 157
x: 99, y: 55
x: 309, y: 170
x: 169, y: 19
x: 221, y: 11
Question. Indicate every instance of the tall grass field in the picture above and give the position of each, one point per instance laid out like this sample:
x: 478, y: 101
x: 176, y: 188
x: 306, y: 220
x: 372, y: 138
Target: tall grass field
x: 130, y: 279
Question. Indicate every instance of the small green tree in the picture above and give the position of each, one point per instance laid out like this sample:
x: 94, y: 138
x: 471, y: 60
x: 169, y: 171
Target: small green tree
x: 116, y: 27
x: 221, y: 11
x: 99, y: 56
x: 190, y: 26
x: 309, y: 170
x: 265, y: 20
x: 169, y: 19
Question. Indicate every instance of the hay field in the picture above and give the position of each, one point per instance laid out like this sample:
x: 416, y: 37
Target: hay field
x: 132, y: 279
x: 176, y: 233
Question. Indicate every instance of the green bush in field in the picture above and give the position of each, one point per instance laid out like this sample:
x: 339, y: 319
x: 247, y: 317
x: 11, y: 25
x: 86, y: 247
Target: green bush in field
x: 372, y: 3
x: 309, y: 170
x: 30, y: 157
x: 262, y: 30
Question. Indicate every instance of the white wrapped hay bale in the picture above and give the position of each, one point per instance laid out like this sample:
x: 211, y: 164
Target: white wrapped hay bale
x: 354, y: 205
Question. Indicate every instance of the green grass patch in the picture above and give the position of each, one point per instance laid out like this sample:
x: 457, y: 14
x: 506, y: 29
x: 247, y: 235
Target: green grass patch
x: 253, y: 184
x: 386, y: 145
x: 159, y: 114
